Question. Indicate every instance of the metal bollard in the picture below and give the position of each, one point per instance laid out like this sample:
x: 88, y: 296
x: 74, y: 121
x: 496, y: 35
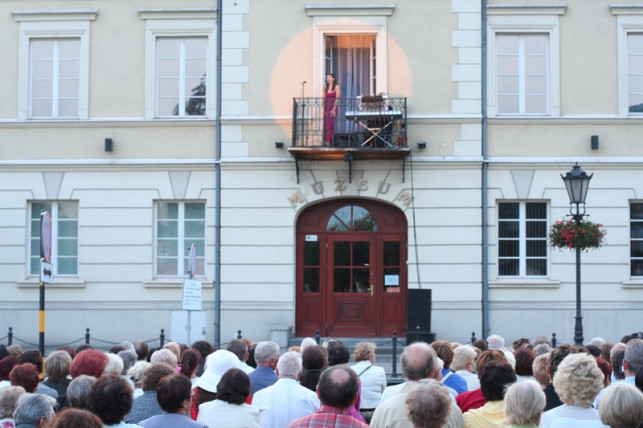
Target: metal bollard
x: 394, y: 351
x: 553, y: 340
x: 87, y: 336
x: 317, y: 336
x: 239, y: 336
x: 10, y: 337
x: 162, y: 338
x: 473, y: 336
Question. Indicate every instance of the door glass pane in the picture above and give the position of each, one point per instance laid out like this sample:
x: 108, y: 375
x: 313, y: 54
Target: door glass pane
x: 342, y: 254
x: 342, y: 280
x: 311, y: 253
x: 391, y: 254
x: 361, y: 254
x: 311, y: 280
x: 361, y: 280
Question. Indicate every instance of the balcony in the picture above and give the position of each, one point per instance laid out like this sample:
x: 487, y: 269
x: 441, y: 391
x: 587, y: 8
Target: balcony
x: 361, y: 128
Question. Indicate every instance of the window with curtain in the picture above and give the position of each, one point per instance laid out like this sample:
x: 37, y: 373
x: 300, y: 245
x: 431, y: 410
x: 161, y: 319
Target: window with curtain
x: 64, y: 234
x: 351, y: 57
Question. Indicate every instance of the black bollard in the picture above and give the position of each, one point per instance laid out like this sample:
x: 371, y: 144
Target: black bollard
x: 473, y: 336
x: 87, y: 336
x: 317, y: 336
x: 162, y: 338
x: 394, y: 351
x: 553, y: 340
x: 10, y: 336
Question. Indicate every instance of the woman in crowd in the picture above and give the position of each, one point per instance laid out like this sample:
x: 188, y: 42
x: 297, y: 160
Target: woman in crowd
x: 75, y: 418
x: 372, y: 377
x: 494, y: 380
x: 464, y: 360
x: 230, y: 408
x: 524, y: 364
x: 205, y: 389
x: 314, y: 360
x: 57, y: 371
x: 8, y: 400
x: 190, y: 360
x: 524, y: 404
x: 111, y: 399
x: 621, y: 406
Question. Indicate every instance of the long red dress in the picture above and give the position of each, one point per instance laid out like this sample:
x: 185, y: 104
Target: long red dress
x: 329, y: 118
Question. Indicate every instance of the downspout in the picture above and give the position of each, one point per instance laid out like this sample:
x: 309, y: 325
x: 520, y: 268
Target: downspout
x: 217, y: 198
x: 484, y: 178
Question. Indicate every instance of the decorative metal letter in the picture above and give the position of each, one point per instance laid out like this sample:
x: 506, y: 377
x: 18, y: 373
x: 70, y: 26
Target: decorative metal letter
x: 362, y: 184
x: 296, y: 198
x: 341, y: 184
x: 384, y: 187
x: 406, y: 198
x: 318, y: 187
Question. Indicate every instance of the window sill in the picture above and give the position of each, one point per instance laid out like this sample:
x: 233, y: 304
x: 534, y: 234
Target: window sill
x: 524, y: 283
x: 59, y: 282
x: 173, y: 283
x: 633, y: 283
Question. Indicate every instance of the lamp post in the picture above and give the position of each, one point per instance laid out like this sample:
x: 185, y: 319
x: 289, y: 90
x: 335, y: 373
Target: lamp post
x: 577, y: 183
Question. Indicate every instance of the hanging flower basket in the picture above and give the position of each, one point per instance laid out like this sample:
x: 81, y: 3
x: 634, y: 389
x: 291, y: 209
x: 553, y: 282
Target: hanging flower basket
x: 584, y: 235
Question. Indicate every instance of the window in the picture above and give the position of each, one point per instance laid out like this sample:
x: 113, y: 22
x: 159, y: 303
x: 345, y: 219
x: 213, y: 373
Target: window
x: 178, y: 226
x: 180, y: 64
x: 522, y: 73
x: 352, y: 59
x: 54, y: 78
x: 523, y: 62
x: 64, y: 240
x: 630, y: 57
x: 636, y: 238
x: 53, y: 62
x: 522, y: 239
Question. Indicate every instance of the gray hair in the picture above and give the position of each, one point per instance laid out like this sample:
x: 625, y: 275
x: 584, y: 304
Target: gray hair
x: 164, y: 356
x: 33, y: 407
x: 462, y: 356
x: 129, y: 359
x: 634, y: 355
x: 265, y: 351
x: 306, y: 342
x: 78, y: 390
x: 289, y: 364
x: 114, y: 365
x: 496, y: 342
x: 523, y: 403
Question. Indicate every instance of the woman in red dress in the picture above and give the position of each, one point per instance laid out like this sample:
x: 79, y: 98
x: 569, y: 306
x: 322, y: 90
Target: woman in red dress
x: 331, y: 97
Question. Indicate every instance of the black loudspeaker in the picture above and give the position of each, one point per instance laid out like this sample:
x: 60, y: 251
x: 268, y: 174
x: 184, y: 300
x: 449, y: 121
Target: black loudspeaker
x: 109, y: 144
x: 419, y: 337
x: 418, y: 311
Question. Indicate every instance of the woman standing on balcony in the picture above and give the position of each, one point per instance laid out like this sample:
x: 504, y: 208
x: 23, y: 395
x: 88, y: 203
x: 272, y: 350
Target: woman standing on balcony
x: 331, y: 97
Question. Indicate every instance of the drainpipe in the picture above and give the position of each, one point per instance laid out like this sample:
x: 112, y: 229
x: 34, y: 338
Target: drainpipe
x: 217, y: 198
x: 484, y: 178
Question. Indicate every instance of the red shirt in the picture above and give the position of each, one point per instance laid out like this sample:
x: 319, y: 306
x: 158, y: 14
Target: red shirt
x: 470, y: 400
x: 327, y: 416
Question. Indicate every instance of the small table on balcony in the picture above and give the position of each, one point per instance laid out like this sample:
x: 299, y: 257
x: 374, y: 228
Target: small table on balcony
x: 375, y: 122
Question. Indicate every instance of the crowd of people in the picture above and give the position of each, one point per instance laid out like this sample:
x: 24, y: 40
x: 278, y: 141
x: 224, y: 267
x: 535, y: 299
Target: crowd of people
x: 478, y: 385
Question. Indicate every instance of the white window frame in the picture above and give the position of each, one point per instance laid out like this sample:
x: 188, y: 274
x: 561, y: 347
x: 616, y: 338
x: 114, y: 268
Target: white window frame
x: 522, y: 239
x: 54, y: 238
x: 346, y: 20
x: 183, y: 243
x: 53, y: 24
x: 523, y: 19
x: 629, y: 19
x: 179, y: 23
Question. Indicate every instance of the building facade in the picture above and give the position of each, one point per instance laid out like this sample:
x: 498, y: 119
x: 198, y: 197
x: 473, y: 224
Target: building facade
x: 146, y: 127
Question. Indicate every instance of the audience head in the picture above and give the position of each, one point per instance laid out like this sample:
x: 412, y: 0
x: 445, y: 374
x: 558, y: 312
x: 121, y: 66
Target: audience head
x: 289, y: 365
x: 234, y: 387
x: 539, y: 368
x: 313, y: 361
x: 78, y: 390
x: 110, y: 399
x: 306, y: 342
x: 141, y: 348
x: 492, y: 355
x: 617, y: 364
x: 6, y: 364
x: 128, y: 358
x: 540, y: 340
x: 633, y: 359
x: 135, y: 373
x: 25, y: 375
x: 164, y: 356
x: 606, y: 369
x: 57, y: 366
x: 496, y: 342
x: 444, y: 351
x: 481, y: 344
x: 175, y: 348
x: 3, y: 351
x: 174, y: 393
x: 523, y: 342
x: 364, y: 351
x: 251, y: 355
x: 216, y: 365
x: 494, y: 380
x: 34, y: 409
x: 464, y: 358
x: 428, y: 404
x: 8, y: 400
x: 31, y: 356
x: 524, y: 361
x: 338, y: 353
x: 418, y: 361
x: 578, y: 380
x: 14, y: 349
x: 543, y: 348
x: 524, y: 403
x: 88, y: 362
x: 190, y: 360
x: 606, y: 349
x: 621, y: 406
x: 239, y: 348
x: 154, y: 373
x: 267, y: 354
x: 116, y: 349
x: 75, y: 418
x: 114, y: 365
x: 557, y: 355
x: 204, y: 347
x: 338, y: 386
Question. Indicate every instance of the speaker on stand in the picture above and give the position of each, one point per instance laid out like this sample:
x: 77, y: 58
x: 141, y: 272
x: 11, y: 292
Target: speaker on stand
x: 418, y: 316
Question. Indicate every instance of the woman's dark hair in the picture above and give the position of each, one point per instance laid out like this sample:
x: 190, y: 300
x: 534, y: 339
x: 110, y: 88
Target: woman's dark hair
x: 3, y: 351
x: 313, y: 363
x: 172, y: 391
x: 251, y: 355
x: 338, y: 353
x: 334, y: 82
x: 26, y: 375
x: 617, y: 364
x: 110, y: 399
x: 494, y: 380
x: 75, y: 418
x: 31, y: 356
x: 204, y: 396
x: 524, y: 360
x: 204, y: 347
x: 481, y: 344
x: 190, y: 360
x: 6, y: 364
x: 234, y: 387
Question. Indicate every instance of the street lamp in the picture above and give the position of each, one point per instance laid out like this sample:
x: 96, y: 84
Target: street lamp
x: 577, y: 183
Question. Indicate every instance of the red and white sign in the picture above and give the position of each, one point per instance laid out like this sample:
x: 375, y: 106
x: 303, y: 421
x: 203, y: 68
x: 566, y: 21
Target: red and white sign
x: 45, y: 236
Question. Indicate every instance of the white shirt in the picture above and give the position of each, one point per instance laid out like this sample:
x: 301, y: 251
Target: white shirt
x: 390, y: 391
x: 283, y: 402
x: 373, y: 380
x: 472, y: 380
x: 571, y: 417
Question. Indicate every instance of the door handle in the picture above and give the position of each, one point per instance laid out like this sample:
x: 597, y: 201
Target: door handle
x: 371, y: 289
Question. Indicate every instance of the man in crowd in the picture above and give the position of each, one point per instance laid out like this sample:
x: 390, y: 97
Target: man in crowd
x: 632, y: 364
x: 286, y: 400
x: 418, y: 361
x: 337, y: 391
x: 239, y: 348
x: 266, y: 356
x: 174, y: 394
x: 34, y: 410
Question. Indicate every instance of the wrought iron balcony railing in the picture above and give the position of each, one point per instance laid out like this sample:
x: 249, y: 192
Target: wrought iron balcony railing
x: 361, y: 122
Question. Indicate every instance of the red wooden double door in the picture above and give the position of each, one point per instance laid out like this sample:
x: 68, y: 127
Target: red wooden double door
x: 351, y: 269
